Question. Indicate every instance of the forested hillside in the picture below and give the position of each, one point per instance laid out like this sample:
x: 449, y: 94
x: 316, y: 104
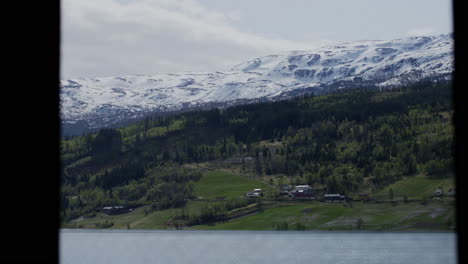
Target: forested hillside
x: 340, y: 141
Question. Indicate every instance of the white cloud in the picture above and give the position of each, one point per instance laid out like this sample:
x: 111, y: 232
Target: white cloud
x: 123, y: 37
x: 120, y: 37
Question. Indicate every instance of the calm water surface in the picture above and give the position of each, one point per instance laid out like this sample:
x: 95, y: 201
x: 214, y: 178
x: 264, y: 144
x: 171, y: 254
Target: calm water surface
x: 214, y: 247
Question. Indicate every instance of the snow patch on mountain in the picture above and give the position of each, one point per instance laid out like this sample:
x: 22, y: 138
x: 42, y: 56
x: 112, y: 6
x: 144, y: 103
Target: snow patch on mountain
x: 98, y: 102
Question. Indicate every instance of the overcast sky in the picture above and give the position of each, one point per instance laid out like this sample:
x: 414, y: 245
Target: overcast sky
x: 102, y: 38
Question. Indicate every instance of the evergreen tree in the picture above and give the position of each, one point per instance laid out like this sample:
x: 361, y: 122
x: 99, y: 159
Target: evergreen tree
x: 258, y: 166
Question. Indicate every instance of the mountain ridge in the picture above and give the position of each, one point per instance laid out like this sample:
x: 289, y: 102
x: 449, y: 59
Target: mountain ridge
x: 93, y: 103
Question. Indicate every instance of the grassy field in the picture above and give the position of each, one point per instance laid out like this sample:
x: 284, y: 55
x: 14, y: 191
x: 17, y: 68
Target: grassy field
x: 211, y: 186
x: 415, y: 187
x: 312, y: 215
x: 292, y: 214
x: 219, y: 184
x: 140, y: 218
x: 437, y: 215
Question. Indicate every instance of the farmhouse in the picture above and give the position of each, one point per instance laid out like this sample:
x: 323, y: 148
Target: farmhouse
x: 258, y: 191
x: 302, y: 187
x: 303, y: 192
x: 255, y: 193
x: 113, y: 210
x: 438, y: 192
x: 334, y: 198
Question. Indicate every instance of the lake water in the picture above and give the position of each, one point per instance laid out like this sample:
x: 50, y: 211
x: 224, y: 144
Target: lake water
x: 215, y: 247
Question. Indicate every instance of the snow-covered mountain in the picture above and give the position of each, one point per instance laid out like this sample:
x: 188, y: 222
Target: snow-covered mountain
x: 98, y: 102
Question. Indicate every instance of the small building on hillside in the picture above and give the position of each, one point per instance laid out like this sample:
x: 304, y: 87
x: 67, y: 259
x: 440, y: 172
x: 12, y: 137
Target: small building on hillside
x: 251, y: 194
x: 258, y: 191
x: 334, y: 198
x: 113, y: 210
x: 302, y: 187
x: 451, y: 192
x: 254, y: 194
x: 438, y: 192
x: 303, y: 194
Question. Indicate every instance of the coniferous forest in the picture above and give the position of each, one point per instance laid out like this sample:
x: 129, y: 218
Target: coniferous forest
x: 339, y: 141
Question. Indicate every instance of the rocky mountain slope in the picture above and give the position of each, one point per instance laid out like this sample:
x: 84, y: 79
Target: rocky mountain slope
x: 92, y: 103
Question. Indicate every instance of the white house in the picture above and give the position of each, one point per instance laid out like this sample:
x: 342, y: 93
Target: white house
x: 302, y: 187
x: 438, y: 192
x: 334, y: 197
x: 255, y: 193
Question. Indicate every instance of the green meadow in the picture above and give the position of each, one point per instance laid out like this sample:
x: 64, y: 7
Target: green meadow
x: 219, y: 184
x: 320, y: 216
x: 415, y: 187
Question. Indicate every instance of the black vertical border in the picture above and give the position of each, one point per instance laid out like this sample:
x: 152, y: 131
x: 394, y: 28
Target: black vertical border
x: 29, y: 90
x: 460, y: 120
x: 31, y: 131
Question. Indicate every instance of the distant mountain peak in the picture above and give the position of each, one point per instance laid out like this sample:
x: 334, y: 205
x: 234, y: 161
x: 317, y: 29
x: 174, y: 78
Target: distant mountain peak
x: 92, y: 103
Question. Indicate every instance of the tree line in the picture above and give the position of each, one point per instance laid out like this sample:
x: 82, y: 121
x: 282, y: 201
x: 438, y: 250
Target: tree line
x: 337, y: 139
